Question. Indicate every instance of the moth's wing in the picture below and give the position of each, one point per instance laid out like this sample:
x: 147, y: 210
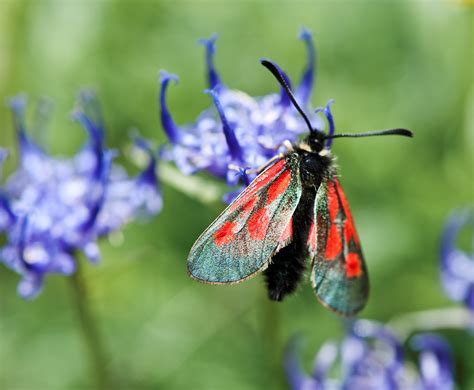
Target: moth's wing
x: 241, y: 241
x: 339, y: 274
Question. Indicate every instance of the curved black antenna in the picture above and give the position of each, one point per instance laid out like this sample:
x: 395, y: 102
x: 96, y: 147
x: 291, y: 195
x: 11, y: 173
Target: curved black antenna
x: 402, y: 132
x: 276, y: 72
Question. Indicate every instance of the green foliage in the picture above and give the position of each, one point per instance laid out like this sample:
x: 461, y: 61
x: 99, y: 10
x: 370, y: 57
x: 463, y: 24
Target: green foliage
x: 386, y: 64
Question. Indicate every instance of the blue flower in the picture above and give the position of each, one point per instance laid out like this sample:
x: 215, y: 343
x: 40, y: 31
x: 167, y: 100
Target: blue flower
x: 457, y: 266
x: 241, y: 133
x: 435, y: 362
x: 51, y: 208
x: 371, y: 357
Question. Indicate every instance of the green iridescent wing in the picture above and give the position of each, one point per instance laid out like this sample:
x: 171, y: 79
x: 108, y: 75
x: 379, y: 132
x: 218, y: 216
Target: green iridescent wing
x: 242, y: 240
x: 339, y: 274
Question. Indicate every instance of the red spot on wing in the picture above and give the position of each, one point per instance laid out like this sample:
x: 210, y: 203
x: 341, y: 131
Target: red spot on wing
x: 225, y: 234
x: 257, y: 184
x: 288, y: 232
x: 333, y: 201
x: 353, y: 265
x: 333, y: 243
x: 312, y: 239
x: 250, y: 205
x: 349, y: 227
x: 350, y: 232
x: 278, y: 186
x: 257, y: 224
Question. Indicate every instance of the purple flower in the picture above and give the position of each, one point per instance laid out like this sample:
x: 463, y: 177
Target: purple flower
x: 457, y: 266
x: 435, y: 362
x: 241, y: 133
x: 51, y: 207
x: 371, y: 357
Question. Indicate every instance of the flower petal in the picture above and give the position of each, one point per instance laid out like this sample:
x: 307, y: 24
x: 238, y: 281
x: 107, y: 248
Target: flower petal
x: 457, y: 266
x: 324, y: 360
x: 235, y: 150
x: 327, y: 112
x: 304, y: 89
x: 30, y: 286
x: 295, y: 375
x: 212, y: 75
x: 171, y: 130
x: 436, y: 369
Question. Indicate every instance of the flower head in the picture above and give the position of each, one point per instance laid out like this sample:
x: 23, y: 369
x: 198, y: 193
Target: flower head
x: 457, y: 266
x: 241, y: 133
x: 371, y: 357
x: 51, y: 208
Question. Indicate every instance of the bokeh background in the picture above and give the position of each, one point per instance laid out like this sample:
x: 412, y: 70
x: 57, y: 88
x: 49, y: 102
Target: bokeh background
x: 386, y: 64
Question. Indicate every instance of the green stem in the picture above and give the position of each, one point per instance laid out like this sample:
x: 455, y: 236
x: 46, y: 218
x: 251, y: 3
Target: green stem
x: 204, y: 190
x: 428, y: 320
x: 270, y: 327
x: 89, y: 329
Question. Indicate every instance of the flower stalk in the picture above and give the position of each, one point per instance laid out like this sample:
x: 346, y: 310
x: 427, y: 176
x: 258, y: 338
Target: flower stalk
x: 89, y: 329
x: 429, y: 320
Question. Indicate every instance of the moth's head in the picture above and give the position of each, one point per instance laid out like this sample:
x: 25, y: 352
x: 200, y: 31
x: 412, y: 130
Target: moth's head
x: 315, y: 140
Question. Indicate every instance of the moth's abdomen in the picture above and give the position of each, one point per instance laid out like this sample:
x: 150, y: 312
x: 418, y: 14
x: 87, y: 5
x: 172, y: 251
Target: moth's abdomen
x: 285, y: 271
x: 288, y: 265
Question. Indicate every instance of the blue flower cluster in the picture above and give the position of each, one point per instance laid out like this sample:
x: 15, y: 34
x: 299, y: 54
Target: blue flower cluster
x: 243, y: 132
x: 372, y: 358
x: 457, y: 266
x: 51, y: 208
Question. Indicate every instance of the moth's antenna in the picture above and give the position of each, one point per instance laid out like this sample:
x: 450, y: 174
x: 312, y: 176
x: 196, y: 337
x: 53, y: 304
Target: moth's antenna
x: 276, y: 72
x: 402, y: 132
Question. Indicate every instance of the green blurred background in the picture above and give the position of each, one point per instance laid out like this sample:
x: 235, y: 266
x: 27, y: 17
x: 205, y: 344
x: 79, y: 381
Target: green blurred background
x: 386, y: 64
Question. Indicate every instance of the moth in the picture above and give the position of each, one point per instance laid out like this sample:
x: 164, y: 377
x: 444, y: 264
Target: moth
x: 293, y: 210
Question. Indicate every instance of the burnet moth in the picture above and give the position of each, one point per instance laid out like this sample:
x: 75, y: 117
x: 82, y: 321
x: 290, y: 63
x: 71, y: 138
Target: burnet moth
x: 294, y: 209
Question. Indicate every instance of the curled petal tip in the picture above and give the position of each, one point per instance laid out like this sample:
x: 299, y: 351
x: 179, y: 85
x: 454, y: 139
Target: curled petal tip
x: 164, y: 77
x: 212, y: 75
x: 3, y: 154
x: 209, y: 42
x: 305, y: 34
x: 17, y: 103
x: 90, y: 105
x: 172, y: 131
x: 307, y: 79
x: 327, y: 113
x: 29, y: 288
x: 87, y: 95
x: 142, y: 143
x: 76, y: 115
x: 93, y: 129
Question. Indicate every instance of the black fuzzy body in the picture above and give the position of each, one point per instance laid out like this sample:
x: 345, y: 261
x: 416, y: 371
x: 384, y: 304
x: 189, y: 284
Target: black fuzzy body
x: 287, y: 266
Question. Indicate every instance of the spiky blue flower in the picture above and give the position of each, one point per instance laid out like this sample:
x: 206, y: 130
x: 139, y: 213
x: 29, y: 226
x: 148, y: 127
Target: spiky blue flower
x: 241, y: 132
x: 457, y: 265
x: 371, y: 358
x: 51, y: 208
